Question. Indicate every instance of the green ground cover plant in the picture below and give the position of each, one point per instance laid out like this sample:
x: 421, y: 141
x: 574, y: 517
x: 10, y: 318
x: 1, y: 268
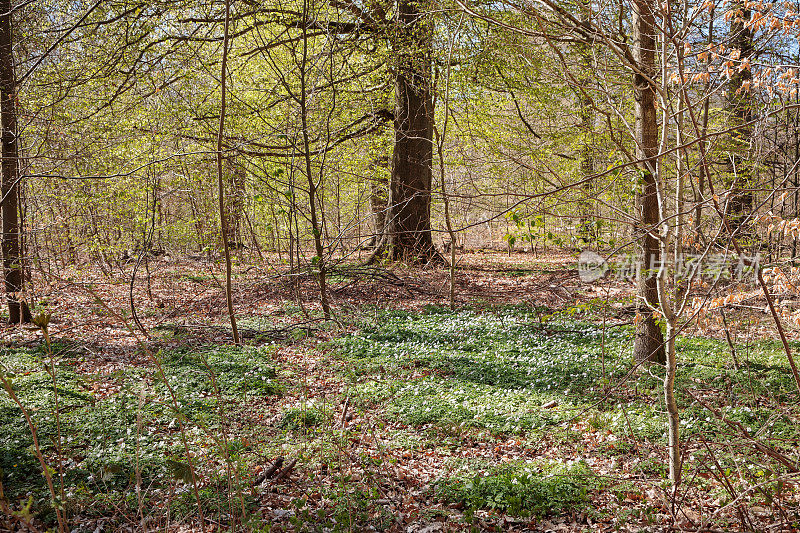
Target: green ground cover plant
x: 521, y: 488
x: 436, y: 381
x: 109, y: 444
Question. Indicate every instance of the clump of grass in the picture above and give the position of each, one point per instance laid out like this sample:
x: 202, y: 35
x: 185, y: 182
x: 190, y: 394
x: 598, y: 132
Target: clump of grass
x: 196, y: 278
x: 509, y: 350
x: 522, y: 489
x: 432, y: 400
x: 301, y: 417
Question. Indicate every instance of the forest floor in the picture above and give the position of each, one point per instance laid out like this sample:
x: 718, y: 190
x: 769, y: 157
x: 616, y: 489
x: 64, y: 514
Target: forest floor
x: 519, y: 411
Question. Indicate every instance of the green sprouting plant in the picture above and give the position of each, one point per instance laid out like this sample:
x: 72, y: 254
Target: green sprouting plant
x: 522, y: 489
x: 525, y: 229
x: 495, y: 370
x: 302, y: 417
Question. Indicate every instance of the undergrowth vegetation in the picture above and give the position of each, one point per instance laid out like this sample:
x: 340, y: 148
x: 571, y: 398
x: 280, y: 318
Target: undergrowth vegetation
x: 121, y: 429
x: 163, y: 435
x: 521, y: 488
x: 510, y: 371
x: 513, y: 372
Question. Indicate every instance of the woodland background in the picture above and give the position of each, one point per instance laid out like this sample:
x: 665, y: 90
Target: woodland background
x: 313, y: 265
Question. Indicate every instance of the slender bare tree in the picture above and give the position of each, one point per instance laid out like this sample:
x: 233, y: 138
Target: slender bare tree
x: 223, y: 218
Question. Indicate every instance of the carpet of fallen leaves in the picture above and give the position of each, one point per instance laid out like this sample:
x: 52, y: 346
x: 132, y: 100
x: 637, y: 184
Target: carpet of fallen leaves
x: 95, y: 309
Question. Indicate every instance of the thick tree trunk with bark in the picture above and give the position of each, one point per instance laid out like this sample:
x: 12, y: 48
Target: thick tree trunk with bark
x: 409, y: 225
x: 649, y: 343
x: 740, y: 105
x: 12, y: 251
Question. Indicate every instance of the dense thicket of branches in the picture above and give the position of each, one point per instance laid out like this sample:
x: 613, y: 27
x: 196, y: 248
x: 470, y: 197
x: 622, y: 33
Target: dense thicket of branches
x: 119, y: 103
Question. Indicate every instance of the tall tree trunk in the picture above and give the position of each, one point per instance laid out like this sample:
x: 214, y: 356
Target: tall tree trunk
x: 319, y: 261
x: 649, y: 343
x: 740, y: 105
x: 12, y: 253
x: 703, y: 166
x: 410, y: 236
x: 587, y: 230
x: 220, y: 183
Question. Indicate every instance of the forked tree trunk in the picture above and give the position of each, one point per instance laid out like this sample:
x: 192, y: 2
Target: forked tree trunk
x: 12, y: 251
x: 649, y: 342
x: 409, y: 225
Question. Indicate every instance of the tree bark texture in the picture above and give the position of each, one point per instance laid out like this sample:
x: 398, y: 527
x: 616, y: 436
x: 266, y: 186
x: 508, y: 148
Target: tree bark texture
x: 12, y: 250
x: 410, y: 237
x: 649, y: 342
x: 740, y: 105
